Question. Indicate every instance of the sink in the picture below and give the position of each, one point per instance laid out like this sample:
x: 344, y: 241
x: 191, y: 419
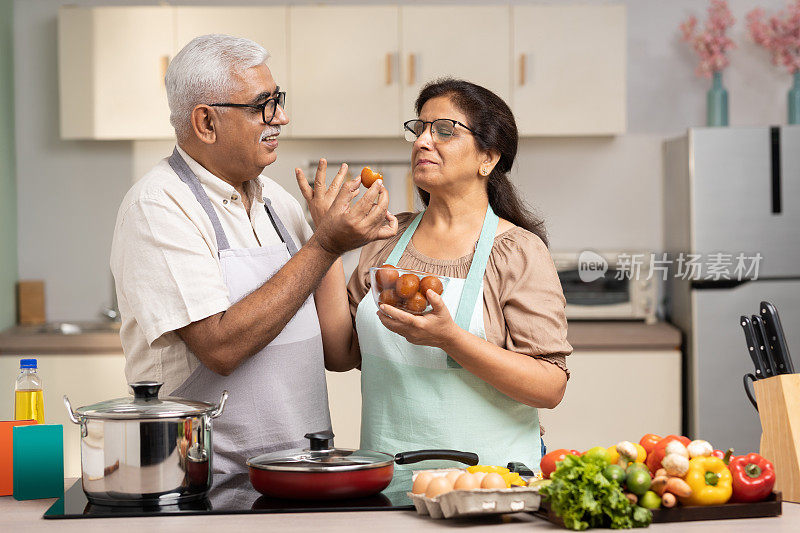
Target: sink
x: 76, y: 328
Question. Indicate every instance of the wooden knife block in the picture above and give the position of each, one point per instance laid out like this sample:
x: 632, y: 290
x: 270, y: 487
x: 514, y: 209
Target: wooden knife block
x: 778, y: 401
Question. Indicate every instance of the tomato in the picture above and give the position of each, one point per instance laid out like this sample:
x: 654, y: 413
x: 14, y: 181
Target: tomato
x: 649, y: 442
x: 417, y: 303
x: 368, y: 177
x: 655, y: 457
x: 389, y: 297
x: 407, y: 285
x: 430, y: 282
x: 550, y: 461
x: 386, y: 277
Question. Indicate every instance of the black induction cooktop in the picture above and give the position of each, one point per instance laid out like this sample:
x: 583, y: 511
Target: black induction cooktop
x: 233, y: 494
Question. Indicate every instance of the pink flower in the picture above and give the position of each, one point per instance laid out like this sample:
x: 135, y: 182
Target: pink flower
x: 711, y: 44
x: 780, y: 34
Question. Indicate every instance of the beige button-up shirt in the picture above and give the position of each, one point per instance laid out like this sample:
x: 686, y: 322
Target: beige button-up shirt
x: 165, y: 261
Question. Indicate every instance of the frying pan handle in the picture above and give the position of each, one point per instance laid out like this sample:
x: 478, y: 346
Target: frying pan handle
x: 468, y: 458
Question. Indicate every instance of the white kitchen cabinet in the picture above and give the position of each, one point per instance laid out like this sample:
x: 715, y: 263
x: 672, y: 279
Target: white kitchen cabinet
x: 616, y: 395
x: 112, y: 62
x: 569, y: 67
x: 345, y: 75
x: 264, y: 25
x: 477, y: 48
x: 352, y: 71
x: 85, y: 379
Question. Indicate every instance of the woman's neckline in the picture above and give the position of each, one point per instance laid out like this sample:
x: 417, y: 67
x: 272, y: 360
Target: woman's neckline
x: 411, y: 249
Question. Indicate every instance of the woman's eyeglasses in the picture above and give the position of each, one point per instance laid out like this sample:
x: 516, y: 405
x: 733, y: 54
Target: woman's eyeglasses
x: 442, y: 129
x: 268, y: 108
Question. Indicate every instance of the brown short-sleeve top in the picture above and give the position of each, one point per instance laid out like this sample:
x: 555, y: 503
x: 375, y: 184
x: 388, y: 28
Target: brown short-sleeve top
x: 523, y: 304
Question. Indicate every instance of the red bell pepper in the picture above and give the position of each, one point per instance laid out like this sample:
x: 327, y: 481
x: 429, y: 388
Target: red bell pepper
x: 726, y: 456
x: 655, y: 457
x: 753, y: 477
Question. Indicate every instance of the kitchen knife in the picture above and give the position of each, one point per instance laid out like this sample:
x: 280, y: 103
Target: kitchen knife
x: 776, y: 338
x: 752, y: 347
x: 763, y: 343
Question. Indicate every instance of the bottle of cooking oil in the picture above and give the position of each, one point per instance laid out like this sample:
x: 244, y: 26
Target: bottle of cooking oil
x: 29, y: 404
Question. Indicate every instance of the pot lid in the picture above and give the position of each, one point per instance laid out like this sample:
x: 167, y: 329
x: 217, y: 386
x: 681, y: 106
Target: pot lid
x: 145, y: 404
x: 320, y: 456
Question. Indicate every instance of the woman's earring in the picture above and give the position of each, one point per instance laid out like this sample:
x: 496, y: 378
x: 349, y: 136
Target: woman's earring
x: 484, y: 171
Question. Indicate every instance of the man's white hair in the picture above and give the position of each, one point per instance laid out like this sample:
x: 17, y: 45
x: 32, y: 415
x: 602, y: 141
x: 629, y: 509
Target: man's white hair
x: 202, y: 73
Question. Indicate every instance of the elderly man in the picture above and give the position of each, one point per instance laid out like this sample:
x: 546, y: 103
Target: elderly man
x: 221, y: 282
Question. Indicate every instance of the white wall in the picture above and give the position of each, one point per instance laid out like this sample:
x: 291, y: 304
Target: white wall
x: 595, y: 193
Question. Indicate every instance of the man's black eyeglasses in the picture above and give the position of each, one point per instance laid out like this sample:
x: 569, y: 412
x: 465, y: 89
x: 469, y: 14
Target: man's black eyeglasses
x: 268, y: 108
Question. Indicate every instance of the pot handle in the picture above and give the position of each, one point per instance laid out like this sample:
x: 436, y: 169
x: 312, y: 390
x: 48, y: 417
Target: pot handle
x: 72, y: 416
x: 468, y: 458
x: 218, y: 411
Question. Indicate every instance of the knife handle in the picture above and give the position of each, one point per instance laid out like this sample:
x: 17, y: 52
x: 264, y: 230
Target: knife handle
x: 752, y: 347
x: 766, y: 349
x: 777, y: 338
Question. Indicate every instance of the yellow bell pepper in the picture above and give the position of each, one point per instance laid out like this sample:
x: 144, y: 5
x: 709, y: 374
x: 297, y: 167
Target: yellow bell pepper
x: 710, y: 480
x: 513, y: 478
x: 488, y: 469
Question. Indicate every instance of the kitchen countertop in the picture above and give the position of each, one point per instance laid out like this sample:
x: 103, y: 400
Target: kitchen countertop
x: 22, y: 340
x: 583, y: 335
x: 27, y: 516
x: 626, y: 335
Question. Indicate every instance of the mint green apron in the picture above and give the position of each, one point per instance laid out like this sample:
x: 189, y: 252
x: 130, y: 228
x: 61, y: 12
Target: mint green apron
x: 417, y: 397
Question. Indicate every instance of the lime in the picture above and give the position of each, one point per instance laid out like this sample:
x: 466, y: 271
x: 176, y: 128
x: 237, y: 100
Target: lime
x: 650, y: 500
x: 598, y: 452
x: 637, y: 466
x: 615, y: 473
x: 638, y: 481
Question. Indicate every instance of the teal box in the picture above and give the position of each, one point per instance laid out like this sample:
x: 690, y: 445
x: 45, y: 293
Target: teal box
x: 38, y: 461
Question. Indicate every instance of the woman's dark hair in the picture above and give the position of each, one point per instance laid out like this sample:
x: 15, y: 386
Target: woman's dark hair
x: 492, y: 119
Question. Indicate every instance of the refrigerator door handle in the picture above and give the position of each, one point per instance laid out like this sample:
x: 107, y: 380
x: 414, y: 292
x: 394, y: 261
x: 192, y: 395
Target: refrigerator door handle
x: 775, y: 160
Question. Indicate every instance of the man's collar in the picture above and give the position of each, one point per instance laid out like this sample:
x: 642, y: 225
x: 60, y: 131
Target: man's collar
x: 216, y: 184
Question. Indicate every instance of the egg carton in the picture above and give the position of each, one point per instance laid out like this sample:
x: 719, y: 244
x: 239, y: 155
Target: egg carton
x: 477, y: 502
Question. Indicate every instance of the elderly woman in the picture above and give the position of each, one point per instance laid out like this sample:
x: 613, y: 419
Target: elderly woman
x: 472, y: 373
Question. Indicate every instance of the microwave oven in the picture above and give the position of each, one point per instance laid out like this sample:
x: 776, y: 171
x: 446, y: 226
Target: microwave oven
x: 608, y: 285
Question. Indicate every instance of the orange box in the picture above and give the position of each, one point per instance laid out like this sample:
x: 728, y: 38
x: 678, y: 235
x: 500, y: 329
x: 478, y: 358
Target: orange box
x: 7, y: 454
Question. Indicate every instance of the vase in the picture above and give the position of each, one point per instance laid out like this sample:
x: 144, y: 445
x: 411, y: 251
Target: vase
x: 794, y: 100
x: 717, y: 102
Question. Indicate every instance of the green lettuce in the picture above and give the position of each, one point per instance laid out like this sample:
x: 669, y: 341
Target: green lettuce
x: 583, y: 497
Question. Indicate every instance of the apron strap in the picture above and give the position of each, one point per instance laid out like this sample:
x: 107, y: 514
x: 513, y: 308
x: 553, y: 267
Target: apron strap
x: 472, y: 286
x: 187, y: 176
x: 400, y: 247
x: 283, y: 233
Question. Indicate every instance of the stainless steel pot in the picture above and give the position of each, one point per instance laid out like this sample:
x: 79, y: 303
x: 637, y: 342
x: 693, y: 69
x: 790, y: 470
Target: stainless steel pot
x: 146, y: 450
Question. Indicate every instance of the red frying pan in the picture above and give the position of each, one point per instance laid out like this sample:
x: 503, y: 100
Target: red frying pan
x: 323, y: 472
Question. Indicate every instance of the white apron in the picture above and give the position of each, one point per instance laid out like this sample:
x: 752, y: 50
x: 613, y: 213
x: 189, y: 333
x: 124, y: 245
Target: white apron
x: 279, y: 394
x: 416, y: 397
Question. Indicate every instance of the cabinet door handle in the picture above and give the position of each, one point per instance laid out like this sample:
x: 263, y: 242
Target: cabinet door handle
x: 412, y: 69
x: 522, y: 62
x: 389, y: 68
x: 164, y: 66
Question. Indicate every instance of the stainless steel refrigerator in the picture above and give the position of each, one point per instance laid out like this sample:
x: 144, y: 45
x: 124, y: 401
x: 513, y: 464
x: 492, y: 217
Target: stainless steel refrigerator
x: 730, y: 191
